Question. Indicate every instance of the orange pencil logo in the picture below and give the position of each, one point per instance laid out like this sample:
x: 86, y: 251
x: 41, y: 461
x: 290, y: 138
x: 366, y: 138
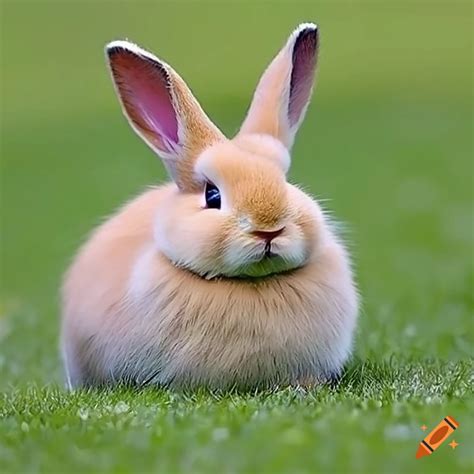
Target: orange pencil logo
x: 437, y: 437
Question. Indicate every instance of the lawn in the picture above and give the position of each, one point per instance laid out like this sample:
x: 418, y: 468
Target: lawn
x: 387, y: 145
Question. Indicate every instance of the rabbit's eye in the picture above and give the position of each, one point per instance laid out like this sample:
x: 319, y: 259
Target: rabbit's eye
x: 213, y: 196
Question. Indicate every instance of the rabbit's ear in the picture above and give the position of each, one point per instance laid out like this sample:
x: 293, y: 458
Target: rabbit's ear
x: 283, y: 93
x: 161, y: 109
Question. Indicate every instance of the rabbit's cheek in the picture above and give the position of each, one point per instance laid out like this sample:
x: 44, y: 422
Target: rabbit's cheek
x: 292, y: 250
x: 239, y: 253
x: 191, y: 237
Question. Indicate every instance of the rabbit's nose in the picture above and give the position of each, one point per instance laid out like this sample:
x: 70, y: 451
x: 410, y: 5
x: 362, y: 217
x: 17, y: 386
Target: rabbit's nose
x: 268, y: 235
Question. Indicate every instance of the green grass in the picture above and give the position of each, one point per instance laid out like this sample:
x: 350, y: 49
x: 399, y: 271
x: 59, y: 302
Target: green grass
x: 370, y: 423
x: 387, y: 142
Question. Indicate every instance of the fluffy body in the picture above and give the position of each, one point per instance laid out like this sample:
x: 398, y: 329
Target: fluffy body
x: 169, y: 292
x: 133, y: 316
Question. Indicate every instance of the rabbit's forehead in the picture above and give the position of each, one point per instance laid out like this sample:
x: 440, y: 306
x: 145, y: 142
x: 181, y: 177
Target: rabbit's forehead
x: 248, y: 153
x: 229, y: 165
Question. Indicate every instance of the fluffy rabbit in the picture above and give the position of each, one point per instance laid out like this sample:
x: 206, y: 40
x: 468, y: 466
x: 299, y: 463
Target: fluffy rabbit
x: 228, y: 277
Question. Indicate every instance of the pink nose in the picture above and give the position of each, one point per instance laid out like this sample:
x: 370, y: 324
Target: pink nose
x: 268, y: 235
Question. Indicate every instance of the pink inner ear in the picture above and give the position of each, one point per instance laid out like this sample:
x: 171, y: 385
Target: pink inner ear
x: 143, y: 85
x: 302, y: 75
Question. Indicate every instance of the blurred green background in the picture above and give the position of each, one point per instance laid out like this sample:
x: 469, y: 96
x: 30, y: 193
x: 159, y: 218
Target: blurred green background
x: 387, y: 142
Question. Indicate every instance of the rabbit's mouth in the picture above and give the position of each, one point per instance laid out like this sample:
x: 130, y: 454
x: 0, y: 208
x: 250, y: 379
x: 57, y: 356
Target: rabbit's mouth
x: 260, y: 259
x: 269, y: 253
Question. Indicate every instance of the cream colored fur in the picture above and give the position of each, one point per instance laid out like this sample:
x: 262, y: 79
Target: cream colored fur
x: 169, y: 293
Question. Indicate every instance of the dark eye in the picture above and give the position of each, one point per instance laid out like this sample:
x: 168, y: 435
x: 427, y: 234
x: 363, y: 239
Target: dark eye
x: 213, y: 196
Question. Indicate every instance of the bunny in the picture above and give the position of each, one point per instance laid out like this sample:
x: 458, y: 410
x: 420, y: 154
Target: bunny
x: 227, y: 278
